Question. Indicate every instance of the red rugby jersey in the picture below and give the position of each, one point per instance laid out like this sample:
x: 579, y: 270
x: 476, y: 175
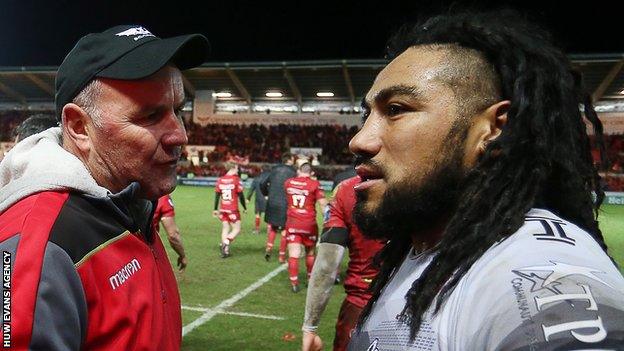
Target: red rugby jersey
x: 301, y: 196
x: 229, y: 186
x: 361, y: 250
x: 164, y: 208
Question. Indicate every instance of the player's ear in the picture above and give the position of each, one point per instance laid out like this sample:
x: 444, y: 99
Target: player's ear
x: 484, y: 128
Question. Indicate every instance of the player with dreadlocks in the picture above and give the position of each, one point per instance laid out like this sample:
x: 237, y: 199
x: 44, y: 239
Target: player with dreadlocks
x: 476, y: 165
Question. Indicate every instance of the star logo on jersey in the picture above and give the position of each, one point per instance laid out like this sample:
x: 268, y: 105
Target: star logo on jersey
x: 548, y: 276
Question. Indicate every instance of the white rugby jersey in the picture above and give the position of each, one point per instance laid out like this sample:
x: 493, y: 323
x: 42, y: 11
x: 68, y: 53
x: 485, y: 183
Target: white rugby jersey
x: 549, y: 286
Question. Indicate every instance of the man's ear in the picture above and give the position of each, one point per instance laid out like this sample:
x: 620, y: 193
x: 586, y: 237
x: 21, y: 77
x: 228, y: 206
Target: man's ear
x: 495, y: 118
x: 75, y: 131
x: 486, y: 127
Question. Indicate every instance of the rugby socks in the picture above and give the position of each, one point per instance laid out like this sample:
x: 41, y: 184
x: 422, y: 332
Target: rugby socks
x: 293, y: 270
x: 282, y: 249
x: 270, y: 239
x: 309, y: 264
x: 257, y: 223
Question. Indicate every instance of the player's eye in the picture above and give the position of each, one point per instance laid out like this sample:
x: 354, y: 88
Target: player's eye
x: 395, y: 109
x: 365, y: 114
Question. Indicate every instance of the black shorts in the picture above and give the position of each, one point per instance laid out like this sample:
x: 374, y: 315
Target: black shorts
x: 277, y: 228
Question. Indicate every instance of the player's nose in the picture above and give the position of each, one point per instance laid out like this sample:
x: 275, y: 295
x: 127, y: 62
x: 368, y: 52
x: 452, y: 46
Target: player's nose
x: 367, y: 141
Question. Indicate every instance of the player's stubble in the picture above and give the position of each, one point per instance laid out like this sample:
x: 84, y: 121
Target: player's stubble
x: 412, y: 206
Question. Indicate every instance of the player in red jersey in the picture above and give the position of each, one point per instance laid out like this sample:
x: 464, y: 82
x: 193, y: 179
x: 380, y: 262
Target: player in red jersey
x: 302, y: 194
x: 339, y: 232
x: 165, y: 213
x: 228, y: 189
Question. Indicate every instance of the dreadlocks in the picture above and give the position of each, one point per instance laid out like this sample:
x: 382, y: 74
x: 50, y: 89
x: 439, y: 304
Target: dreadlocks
x: 541, y: 159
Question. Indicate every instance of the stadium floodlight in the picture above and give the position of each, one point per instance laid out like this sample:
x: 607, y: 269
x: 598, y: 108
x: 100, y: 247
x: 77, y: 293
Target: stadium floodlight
x: 325, y: 94
x: 273, y: 94
x: 223, y: 94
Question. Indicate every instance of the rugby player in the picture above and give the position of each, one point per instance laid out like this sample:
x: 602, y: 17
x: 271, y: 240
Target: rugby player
x: 476, y: 165
x: 339, y: 232
x: 165, y: 213
x: 229, y: 189
x: 302, y: 194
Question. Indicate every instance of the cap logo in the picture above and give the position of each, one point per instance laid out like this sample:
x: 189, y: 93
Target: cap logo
x: 137, y: 32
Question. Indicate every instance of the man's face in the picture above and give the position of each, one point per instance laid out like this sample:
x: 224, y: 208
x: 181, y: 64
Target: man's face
x: 410, y: 147
x: 141, y: 133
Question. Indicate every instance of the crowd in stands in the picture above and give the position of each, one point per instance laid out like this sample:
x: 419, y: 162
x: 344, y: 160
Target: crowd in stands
x: 9, y: 120
x: 256, y: 145
x: 614, y: 174
x: 266, y: 144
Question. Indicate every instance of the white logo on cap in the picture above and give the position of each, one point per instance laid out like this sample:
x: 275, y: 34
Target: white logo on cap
x: 138, y: 32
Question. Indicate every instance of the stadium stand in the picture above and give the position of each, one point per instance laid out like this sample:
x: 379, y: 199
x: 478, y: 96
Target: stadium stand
x: 240, y: 89
x: 258, y: 145
x: 267, y: 143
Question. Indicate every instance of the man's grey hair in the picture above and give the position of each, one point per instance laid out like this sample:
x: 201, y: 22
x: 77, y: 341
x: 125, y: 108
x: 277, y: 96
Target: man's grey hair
x: 87, y: 99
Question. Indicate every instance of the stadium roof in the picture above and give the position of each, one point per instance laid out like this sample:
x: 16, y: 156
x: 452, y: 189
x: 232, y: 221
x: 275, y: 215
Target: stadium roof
x: 297, y: 81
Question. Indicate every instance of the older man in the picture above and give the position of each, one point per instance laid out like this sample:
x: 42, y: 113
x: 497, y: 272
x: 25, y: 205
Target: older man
x: 87, y: 272
x: 476, y: 165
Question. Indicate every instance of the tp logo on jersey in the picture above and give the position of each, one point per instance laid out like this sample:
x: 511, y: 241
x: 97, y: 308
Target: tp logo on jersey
x: 587, y: 325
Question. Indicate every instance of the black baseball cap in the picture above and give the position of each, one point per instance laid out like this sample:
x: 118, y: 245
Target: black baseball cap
x: 123, y: 52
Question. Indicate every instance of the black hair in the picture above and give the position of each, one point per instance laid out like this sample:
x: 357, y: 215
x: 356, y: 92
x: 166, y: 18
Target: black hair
x: 541, y: 159
x: 35, y: 124
x: 286, y: 157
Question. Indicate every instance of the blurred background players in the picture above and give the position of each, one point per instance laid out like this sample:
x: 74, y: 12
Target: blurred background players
x: 229, y: 188
x: 342, y: 176
x: 33, y: 125
x: 261, y: 200
x: 275, y: 216
x: 302, y: 194
x: 165, y: 214
x: 339, y: 232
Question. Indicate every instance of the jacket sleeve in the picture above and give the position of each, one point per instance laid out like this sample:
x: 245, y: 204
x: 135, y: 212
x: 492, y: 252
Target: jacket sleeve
x: 264, y: 185
x: 57, y: 318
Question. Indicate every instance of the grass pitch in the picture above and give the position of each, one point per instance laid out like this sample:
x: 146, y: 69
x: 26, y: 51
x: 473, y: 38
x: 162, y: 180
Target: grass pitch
x: 269, y: 317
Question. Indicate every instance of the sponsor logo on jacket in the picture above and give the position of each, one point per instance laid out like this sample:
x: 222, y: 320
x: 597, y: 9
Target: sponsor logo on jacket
x: 127, y: 271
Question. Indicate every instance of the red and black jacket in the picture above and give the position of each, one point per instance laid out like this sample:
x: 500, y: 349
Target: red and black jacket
x: 88, y: 273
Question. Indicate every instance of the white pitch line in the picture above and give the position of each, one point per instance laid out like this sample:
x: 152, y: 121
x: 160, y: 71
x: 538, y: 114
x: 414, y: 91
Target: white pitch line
x: 208, y: 315
x: 263, y: 316
x: 198, y: 309
x: 242, y: 314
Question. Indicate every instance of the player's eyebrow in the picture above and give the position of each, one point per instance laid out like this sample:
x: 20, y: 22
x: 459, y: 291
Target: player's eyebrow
x: 410, y: 91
